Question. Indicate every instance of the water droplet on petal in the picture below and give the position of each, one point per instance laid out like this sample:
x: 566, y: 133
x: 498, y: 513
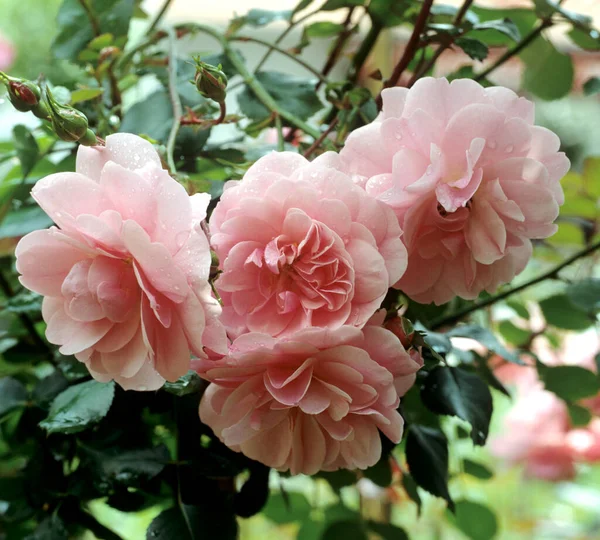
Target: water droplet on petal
x: 492, y: 144
x: 429, y: 169
x: 142, y: 388
x: 398, y: 136
x: 509, y: 148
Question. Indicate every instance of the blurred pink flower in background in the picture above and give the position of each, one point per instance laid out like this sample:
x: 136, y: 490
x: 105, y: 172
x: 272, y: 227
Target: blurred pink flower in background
x: 7, y: 53
x: 470, y: 177
x: 310, y: 401
x: 125, y: 276
x: 301, y: 245
x: 537, y: 431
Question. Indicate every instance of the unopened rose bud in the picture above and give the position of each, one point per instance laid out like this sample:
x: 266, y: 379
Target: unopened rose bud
x: 24, y: 95
x: 402, y: 329
x: 68, y: 123
x: 210, y: 81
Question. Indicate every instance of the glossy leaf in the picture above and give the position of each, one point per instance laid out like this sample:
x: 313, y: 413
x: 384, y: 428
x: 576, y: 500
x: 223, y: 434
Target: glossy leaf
x: 79, y: 407
x: 26, y: 147
x: 427, y: 459
x: 12, y: 395
x: 486, y: 338
x: 570, y: 383
x: 475, y: 520
x: 559, y: 311
x: 456, y: 392
x: 585, y: 294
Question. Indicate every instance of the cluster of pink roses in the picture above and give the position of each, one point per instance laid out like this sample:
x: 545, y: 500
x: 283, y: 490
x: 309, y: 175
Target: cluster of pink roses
x: 303, y: 373
x: 537, y: 432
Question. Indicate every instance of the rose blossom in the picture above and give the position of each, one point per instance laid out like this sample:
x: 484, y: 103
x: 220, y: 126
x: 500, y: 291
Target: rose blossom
x: 470, y: 177
x: 301, y: 245
x: 125, y: 276
x: 309, y: 401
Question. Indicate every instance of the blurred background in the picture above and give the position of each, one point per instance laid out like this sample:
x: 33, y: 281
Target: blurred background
x: 542, y: 491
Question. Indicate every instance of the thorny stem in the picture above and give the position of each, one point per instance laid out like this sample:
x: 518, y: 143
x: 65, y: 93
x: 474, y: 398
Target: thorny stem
x: 175, y: 103
x: 159, y: 16
x: 421, y: 70
x: 410, y: 50
x: 546, y: 23
x: 337, y: 48
x: 550, y: 274
x: 318, y: 141
x: 91, y: 17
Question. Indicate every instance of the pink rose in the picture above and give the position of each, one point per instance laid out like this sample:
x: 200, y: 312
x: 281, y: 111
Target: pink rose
x: 310, y: 401
x: 470, y: 177
x: 125, y: 276
x: 300, y: 245
x: 585, y: 442
x: 7, y: 53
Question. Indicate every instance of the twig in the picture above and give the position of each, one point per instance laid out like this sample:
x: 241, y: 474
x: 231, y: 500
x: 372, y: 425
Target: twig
x: 318, y: 141
x: 422, y: 69
x: 552, y: 273
x: 159, y: 16
x: 296, y: 59
x: 410, y: 49
x: 175, y: 102
x: 546, y: 23
x: 337, y: 48
x: 91, y: 17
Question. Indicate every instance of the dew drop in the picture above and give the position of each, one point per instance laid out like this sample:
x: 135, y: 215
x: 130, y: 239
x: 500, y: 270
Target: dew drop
x: 492, y: 144
x: 2, y: 101
x: 429, y: 169
x: 398, y: 136
x: 509, y: 148
x: 142, y: 388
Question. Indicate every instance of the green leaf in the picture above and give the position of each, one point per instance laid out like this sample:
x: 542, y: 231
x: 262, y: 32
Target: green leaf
x: 518, y: 308
x: 474, y: 48
x: 348, y: 530
x: 570, y: 383
x: 24, y: 220
x: 548, y: 74
x: 387, y: 531
x: 477, y: 470
x: 103, y: 40
x: 332, y: 5
x: 513, y: 334
x: 85, y: 94
x: 591, y: 86
x: 295, y: 94
x: 389, y: 13
x: 427, y: 459
x: 262, y: 17
x: 79, y: 407
x: 380, y: 473
x: 12, y: 395
x: 585, y: 294
x: 75, y: 30
x: 410, y: 487
x: 323, y: 29
x: 456, y: 392
x: 132, y: 467
x: 26, y: 147
x: 152, y: 117
x: 588, y: 40
x: 52, y: 528
x: 199, y: 522
x: 486, y: 338
x: 475, y: 520
x: 186, y: 384
x: 25, y: 301
x: 523, y: 19
x: 303, y: 4
x: 559, y: 311
x: 504, y: 26
x: 579, y: 416
x: 293, y: 507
